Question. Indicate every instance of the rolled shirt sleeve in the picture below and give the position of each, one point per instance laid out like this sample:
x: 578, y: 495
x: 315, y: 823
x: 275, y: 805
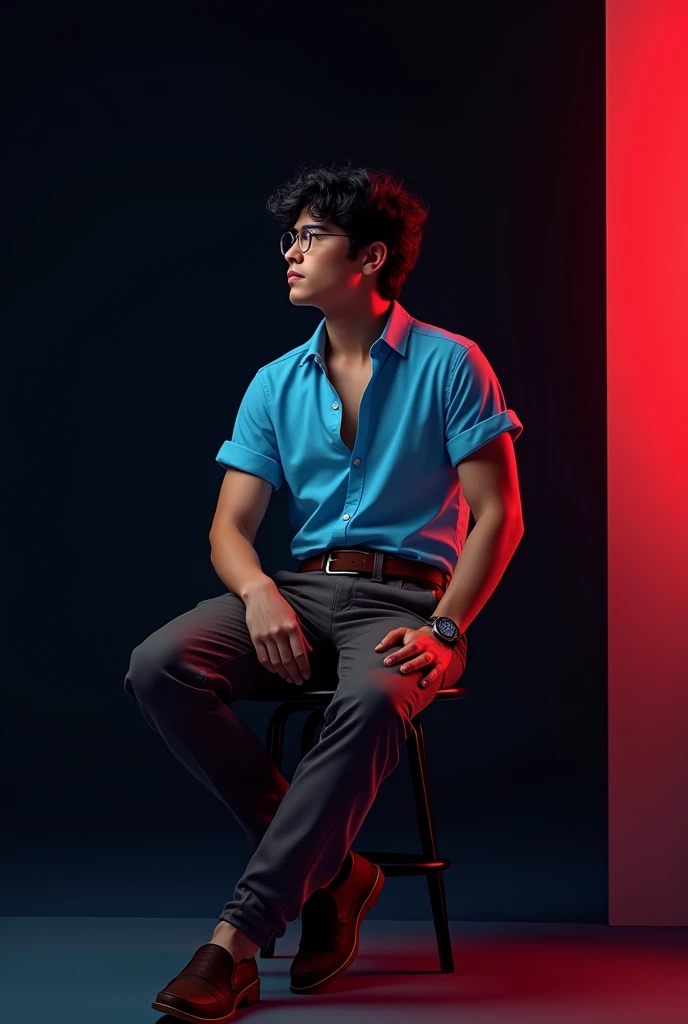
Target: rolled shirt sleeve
x: 253, y: 447
x: 475, y: 410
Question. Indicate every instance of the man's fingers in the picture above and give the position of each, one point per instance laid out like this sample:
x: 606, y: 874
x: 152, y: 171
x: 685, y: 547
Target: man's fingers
x: 290, y: 670
x: 301, y: 659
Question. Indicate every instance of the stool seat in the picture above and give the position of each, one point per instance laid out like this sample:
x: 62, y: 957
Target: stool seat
x: 323, y: 697
x: 427, y: 862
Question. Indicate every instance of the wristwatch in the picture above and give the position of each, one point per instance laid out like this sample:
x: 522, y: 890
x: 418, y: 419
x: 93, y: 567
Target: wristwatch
x: 445, y: 629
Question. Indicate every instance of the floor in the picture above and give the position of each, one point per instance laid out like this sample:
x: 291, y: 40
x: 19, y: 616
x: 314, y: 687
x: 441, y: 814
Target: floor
x: 97, y: 970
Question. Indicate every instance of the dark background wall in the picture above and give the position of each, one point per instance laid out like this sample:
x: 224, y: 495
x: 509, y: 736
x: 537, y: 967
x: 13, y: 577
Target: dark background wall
x: 142, y: 288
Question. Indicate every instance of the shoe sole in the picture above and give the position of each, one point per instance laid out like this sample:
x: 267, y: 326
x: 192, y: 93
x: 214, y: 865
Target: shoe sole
x: 367, y: 905
x: 249, y: 995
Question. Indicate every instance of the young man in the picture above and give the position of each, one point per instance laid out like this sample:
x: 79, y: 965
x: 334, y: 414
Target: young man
x: 387, y: 432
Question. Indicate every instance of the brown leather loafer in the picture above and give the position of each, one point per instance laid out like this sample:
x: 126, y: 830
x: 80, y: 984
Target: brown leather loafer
x: 331, y: 921
x: 210, y: 987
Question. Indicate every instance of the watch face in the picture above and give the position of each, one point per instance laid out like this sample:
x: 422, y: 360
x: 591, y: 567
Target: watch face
x: 447, y: 627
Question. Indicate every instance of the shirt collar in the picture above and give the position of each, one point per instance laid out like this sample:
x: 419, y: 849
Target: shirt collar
x: 396, y: 332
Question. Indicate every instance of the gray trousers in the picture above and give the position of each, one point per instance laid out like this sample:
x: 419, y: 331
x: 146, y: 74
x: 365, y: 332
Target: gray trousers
x: 187, y: 675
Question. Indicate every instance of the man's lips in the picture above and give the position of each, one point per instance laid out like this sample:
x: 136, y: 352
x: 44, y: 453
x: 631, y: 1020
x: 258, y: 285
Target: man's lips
x: 293, y: 276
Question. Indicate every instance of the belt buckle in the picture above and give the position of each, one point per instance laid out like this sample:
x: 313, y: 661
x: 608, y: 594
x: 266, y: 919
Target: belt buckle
x: 339, y: 572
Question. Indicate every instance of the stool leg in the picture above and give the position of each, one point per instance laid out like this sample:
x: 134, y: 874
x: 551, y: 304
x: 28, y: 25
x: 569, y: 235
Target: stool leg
x: 420, y: 778
x: 275, y: 733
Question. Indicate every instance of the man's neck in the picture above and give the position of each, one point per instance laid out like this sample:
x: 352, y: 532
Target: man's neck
x: 351, y: 333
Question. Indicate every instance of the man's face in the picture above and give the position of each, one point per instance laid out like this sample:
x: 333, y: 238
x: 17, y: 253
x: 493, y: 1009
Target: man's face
x: 328, y: 278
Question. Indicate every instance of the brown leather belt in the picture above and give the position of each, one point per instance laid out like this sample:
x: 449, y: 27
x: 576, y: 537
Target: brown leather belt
x: 379, y: 564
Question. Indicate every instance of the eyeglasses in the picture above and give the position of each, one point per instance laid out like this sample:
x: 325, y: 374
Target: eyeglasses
x: 305, y: 237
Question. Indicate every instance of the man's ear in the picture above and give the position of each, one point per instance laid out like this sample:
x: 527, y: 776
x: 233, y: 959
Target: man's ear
x: 375, y: 258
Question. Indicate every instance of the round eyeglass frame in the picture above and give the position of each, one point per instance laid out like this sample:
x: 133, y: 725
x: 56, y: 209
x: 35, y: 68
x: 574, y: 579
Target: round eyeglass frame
x: 297, y: 238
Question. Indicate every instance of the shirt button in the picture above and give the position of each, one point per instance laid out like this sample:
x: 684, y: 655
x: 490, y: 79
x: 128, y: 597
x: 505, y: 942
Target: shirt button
x: 346, y: 516
x: 357, y: 462
x: 335, y: 405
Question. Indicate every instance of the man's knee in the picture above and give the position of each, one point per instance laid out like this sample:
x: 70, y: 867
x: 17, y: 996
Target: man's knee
x: 369, y: 706
x: 156, y: 667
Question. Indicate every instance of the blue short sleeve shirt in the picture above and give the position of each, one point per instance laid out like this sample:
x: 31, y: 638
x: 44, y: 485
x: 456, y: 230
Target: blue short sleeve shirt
x: 432, y: 399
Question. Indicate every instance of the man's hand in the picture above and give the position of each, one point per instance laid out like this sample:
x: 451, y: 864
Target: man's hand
x: 422, y: 647
x: 277, y: 634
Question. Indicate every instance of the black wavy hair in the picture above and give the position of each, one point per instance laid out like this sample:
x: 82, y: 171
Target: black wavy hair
x: 372, y: 206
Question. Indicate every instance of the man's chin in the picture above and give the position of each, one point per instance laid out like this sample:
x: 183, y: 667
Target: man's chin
x: 302, y: 297
x: 295, y: 296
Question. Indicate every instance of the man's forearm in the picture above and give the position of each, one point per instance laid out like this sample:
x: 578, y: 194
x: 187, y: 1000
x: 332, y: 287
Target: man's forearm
x: 236, y: 561
x: 486, y: 554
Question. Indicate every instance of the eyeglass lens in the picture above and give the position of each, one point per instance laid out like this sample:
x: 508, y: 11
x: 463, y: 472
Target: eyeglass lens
x: 288, y: 239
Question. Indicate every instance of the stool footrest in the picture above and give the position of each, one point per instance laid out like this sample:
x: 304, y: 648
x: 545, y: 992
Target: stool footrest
x: 394, y: 864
